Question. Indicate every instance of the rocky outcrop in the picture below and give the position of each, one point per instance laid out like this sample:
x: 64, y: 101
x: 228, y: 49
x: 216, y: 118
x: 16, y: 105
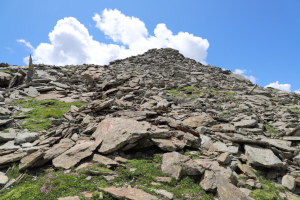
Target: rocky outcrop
x: 203, y: 121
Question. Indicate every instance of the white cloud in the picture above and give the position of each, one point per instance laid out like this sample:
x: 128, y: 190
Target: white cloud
x: 242, y: 72
x: 297, y: 91
x: 71, y: 43
x: 27, y: 44
x: 277, y: 85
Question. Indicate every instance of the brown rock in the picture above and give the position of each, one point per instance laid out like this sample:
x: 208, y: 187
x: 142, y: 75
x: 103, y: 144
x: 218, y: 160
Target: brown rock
x: 11, y: 158
x: 29, y: 160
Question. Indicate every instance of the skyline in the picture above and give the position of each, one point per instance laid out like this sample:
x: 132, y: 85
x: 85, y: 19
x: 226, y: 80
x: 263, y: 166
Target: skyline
x: 255, y: 39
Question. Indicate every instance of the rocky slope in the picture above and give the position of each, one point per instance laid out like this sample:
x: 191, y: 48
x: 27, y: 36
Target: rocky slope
x: 233, y: 139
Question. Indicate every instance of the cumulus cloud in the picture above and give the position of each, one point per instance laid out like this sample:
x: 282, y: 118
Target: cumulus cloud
x: 297, y: 91
x: 27, y: 44
x: 285, y: 87
x: 71, y: 43
x: 243, y: 73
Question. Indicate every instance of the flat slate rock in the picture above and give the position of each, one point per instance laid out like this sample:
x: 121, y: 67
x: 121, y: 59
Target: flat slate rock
x: 74, y: 155
x: 228, y: 191
x: 129, y: 193
x: 11, y: 158
x: 259, y: 156
x: 118, y: 132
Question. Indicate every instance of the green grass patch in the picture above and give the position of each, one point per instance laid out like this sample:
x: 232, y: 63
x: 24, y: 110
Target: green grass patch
x: 268, y: 192
x: 270, y: 129
x: 145, y: 171
x: 42, y: 112
x: 5, y: 131
x: 53, y: 185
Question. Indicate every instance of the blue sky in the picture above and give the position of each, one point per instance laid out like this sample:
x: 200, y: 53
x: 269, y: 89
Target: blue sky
x: 259, y: 39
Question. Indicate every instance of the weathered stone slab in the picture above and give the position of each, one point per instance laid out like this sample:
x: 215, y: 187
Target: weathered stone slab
x: 26, y: 137
x: 258, y: 156
x: 11, y: 158
x: 29, y: 160
x: 58, y: 149
x: 104, y: 160
x: 228, y: 191
x: 129, y: 193
x: 78, y: 152
x: 4, y: 137
x: 245, y: 123
x: 118, y: 132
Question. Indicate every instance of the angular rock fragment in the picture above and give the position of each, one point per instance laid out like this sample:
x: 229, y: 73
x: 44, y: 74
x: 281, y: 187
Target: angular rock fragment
x: 78, y: 152
x: 259, y: 156
x: 26, y: 137
x: 228, y: 191
x: 128, y: 193
x: 201, y: 120
x: 29, y: 160
x: 208, y: 182
x: 172, y: 164
x: 289, y: 182
x: 118, y: 132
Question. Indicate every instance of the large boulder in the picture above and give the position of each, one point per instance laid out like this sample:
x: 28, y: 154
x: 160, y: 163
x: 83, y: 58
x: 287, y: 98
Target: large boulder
x: 74, y: 155
x: 4, y: 79
x: 259, y: 156
x: 118, y: 132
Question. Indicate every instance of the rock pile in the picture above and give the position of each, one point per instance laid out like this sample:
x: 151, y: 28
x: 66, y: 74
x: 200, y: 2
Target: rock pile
x: 204, y: 121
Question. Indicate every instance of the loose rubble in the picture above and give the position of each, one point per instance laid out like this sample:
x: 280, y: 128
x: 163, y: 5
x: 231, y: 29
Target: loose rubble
x: 203, y: 121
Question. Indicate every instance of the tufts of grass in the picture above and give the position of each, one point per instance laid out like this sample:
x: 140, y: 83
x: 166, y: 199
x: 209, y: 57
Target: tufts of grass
x: 53, y: 185
x: 270, y: 129
x: 5, y: 131
x: 40, y: 116
x: 145, y: 172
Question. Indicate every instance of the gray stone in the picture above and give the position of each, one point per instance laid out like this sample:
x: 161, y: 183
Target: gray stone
x: 26, y: 137
x: 118, y: 132
x: 3, y: 179
x: 10, y: 145
x: 172, y: 164
x: 5, y: 121
x: 208, y: 182
x: 201, y: 120
x: 228, y: 191
x: 224, y: 158
x: 128, y: 193
x: 4, y: 79
x: 74, y: 155
x: 104, y: 160
x: 246, y: 123
x: 7, y: 136
x: 165, y: 194
x: 58, y: 149
x: 259, y: 156
x: 222, y: 147
x: 289, y: 182
x: 31, y: 91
